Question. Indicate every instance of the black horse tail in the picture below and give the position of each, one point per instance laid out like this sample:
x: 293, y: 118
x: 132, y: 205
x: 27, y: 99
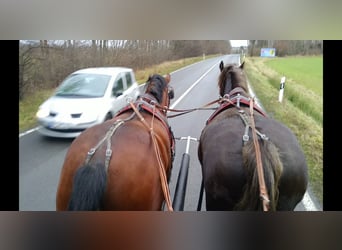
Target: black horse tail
x: 88, y: 188
x: 272, y: 168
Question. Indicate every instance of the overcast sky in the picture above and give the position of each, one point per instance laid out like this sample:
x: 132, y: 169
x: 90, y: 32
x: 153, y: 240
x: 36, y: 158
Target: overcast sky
x: 238, y: 43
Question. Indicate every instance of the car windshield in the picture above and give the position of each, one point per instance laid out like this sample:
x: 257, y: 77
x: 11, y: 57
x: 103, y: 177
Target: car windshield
x: 84, y: 85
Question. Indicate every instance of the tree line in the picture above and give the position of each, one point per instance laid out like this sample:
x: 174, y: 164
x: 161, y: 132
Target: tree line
x: 286, y: 47
x: 43, y: 64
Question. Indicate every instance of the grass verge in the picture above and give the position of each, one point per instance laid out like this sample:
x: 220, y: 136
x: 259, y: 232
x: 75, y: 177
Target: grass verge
x: 301, y: 109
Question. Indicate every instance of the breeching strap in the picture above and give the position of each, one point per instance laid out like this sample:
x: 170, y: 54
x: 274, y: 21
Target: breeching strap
x: 107, y: 137
x: 262, y: 186
x: 162, y: 173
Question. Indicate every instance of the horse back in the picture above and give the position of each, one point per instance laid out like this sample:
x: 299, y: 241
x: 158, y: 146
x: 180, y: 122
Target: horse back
x: 294, y: 179
x: 220, y: 154
x: 133, y: 181
x: 133, y: 175
x: 227, y: 129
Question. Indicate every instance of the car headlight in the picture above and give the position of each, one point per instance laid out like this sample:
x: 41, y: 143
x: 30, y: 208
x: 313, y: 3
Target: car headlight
x: 42, y: 112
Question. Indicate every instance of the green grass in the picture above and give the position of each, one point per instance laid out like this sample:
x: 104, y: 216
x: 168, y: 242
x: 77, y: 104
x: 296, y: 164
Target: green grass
x: 308, y: 71
x: 304, y: 86
x: 302, y: 106
x: 28, y: 108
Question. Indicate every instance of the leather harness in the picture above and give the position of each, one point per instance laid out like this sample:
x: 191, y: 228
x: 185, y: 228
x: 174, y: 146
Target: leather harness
x: 147, y: 103
x: 234, y: 99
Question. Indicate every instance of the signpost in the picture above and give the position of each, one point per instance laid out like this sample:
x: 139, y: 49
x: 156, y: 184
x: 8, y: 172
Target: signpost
x: 281, y: 89
x: 267, y: 52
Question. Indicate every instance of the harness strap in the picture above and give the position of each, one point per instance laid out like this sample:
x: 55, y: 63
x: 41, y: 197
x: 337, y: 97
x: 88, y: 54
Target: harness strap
x: 109, y: 150
x: 260, y: 170
x: 162, y: 172
x: 107, y: 137
x: 185, y: 111
x: 245, y: 120
x: 229, y: 100
x: 150, y: 106
x: 247, y: 123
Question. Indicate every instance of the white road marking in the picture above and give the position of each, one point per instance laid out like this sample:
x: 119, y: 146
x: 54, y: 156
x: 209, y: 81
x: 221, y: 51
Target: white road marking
x: 28, y: 131
x: 191, y: 87
x: 308, y: 204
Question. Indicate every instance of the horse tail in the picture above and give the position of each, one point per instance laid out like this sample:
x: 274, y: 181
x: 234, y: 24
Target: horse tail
x: 88, y: 188
x: 272, y: 168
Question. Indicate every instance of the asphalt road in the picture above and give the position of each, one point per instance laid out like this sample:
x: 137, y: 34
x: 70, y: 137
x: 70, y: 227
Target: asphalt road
x: 41, y: 158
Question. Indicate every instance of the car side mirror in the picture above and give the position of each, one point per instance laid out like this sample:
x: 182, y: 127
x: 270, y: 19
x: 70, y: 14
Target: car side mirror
x: 171, y: 92
x: 118, y: 93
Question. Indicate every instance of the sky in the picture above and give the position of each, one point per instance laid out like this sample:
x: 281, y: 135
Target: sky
x: 238, y: 43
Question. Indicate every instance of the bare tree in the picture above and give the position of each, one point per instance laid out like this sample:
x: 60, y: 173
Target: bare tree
x: 287, y: 47
x: 44, y: 63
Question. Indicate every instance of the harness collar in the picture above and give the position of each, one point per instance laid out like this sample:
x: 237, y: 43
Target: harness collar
x: 148, y: 103
x: 234, y: 99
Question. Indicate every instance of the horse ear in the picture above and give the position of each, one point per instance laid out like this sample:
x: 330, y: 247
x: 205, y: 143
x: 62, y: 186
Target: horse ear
x: 242, y: 65
x: 221, y: 66
x: 167, y: 78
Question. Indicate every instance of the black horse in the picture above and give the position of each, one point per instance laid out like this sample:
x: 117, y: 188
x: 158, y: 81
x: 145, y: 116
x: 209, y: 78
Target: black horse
x: 230, y: 155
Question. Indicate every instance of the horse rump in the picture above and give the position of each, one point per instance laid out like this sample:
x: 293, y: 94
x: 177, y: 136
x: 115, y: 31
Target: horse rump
x: 88, y: 188
x: 272, y: 168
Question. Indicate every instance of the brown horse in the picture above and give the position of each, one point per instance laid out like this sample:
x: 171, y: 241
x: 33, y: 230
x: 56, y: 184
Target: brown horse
x: 238, y: 139
x: 124, y: 163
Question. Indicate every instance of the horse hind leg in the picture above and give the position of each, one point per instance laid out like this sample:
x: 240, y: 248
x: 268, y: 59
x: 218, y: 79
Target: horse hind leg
x: 88, y: 188
x: 272, y: 168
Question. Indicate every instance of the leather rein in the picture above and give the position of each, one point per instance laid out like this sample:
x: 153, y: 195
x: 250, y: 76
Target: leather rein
x: 235, y: 99
x: 162, y: 173
x: 260, y: 169
x: 148, y: 103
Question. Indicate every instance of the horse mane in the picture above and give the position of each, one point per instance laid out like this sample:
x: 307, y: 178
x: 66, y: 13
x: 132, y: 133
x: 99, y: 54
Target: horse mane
x: 155, y: 86
x: 237, y: 77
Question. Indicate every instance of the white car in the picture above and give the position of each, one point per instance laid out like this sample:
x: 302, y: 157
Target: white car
x: 85, y: 98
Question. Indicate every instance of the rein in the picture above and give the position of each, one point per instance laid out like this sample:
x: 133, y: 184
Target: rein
x: 165, y: 109
x: 162, y: 173
x: 185, y: 111
x: 235, y: 99
x: 112, y: 130
x: 260, y: 170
